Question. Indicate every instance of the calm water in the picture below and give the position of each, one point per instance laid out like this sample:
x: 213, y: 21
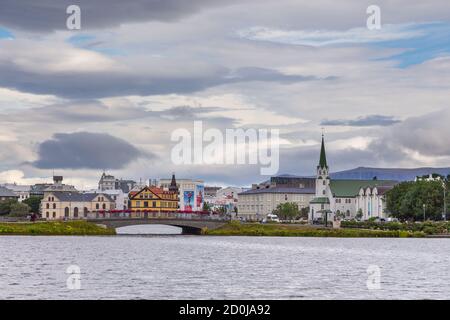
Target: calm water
x: 194, y: 267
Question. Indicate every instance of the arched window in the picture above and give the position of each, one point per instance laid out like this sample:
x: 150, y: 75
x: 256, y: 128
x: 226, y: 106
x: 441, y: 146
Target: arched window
x: 66, y: 212
x: 85, y: 211
x: 48, y: 206
x: 97, y: 206
x: 104, y: 206
x: 75, y: 212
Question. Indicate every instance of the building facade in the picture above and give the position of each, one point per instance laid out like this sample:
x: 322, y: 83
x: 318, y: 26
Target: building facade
x: 21, y: 191
x: 57, y: 205
x: 7, y: 194
x: 153, y: 199
x: 256, y: 204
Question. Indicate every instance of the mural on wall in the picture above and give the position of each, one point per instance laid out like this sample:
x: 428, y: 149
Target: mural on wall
x: 188, y: 200
x: 199, y: 197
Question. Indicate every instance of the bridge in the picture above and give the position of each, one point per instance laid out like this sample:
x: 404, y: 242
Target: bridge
x: 188, y: 226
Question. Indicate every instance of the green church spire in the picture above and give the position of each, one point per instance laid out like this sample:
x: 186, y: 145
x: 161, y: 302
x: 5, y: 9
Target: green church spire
x: 323, y: 157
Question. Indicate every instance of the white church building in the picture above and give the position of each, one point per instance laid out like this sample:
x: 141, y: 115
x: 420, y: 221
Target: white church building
x: 346, y: 199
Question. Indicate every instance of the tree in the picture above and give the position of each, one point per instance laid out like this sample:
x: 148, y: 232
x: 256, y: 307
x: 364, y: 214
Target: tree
x: 304, y: 212
x: 34, y: 203
x: 406, y: 200
x: 359, y: 215
x: 206, y: 206
x: 19, y: 209
x: 287, y: 210
x: 5, y: 206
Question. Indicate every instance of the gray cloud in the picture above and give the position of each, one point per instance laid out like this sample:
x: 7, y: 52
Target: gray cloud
x: 49, y: 15
x: 427, y: 134
x: 98, y: 84
x: 85, y: 150
x: 366, y: 121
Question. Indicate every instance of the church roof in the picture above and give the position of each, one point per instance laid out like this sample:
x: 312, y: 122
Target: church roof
x: 350, y: 188
x: 323, y: 156
x: 320, y: 200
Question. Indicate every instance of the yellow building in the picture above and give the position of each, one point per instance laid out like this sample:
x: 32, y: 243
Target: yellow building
x: 152, y: 200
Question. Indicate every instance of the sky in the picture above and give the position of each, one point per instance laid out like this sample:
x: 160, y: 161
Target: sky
x: 109, y: 96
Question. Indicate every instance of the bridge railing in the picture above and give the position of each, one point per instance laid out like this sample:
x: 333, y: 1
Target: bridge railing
x: 128, y: 214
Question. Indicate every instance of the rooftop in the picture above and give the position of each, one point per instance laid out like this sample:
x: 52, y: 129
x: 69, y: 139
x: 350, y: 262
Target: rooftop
x: 350, y: 188
x: 280, y: 190
x: 4, y: 192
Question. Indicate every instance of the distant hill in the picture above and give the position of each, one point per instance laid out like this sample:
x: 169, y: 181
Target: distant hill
x: 362, y: 173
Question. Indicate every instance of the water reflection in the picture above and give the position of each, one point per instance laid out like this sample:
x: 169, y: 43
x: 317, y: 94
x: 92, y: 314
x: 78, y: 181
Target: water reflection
x: 149, y: 229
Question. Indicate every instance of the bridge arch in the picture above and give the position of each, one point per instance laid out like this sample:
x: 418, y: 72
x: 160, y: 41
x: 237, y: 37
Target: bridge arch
x: 193, y: 227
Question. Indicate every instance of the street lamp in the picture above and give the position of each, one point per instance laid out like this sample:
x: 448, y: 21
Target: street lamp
x: 424, y: 206
x: 444, y: 214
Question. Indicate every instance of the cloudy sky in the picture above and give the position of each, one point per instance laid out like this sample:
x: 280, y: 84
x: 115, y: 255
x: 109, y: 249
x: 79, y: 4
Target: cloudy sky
x: 109, y: 96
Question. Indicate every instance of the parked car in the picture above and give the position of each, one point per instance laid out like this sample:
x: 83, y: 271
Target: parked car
x: 271, y: 218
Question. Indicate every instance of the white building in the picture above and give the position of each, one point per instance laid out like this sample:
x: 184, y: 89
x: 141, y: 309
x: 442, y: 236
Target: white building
x: 107, y: 182
x: 346, y: 198
x: 191, y: 192
x: 256, y: 204
x: 118, y: 196
x: 21, y: 191
x: 224, y: 197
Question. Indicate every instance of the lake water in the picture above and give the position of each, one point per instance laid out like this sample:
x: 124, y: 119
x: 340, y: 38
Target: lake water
x: 196, y: 267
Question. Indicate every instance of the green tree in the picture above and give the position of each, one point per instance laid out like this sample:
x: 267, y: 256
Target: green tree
x: 206, y: 206
x: 287, y: 211
x: 34, y: 203
x: 19, y: 209
x: 5, y: 206
x: 406, y: 200
x: 304, y: 212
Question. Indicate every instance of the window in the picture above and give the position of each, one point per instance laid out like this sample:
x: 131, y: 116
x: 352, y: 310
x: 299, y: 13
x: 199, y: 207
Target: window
x: 145, y: 204
x: 75, y: 212
x: 66, y: 212
x: 47, y: 214
x: 54, y: 206
x: 323, y: 182
x: 104, y: 206
x: 97, y: 206
x: 48, y: 206
x: 154, y: 204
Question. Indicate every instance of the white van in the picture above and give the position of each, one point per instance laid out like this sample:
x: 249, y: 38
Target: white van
x: 271, y: 218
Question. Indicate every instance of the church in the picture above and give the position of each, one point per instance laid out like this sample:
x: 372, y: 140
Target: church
x: 346, y: 199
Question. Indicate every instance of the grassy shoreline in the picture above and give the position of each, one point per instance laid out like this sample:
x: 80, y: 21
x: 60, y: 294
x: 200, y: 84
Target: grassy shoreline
x: 57, y: 228
x: 277, y: 230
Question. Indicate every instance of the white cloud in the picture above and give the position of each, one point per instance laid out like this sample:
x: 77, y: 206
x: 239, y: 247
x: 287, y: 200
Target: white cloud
x: 320, y: 38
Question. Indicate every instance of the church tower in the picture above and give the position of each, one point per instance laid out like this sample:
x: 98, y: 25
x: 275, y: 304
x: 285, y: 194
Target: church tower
x: 322, y: 175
